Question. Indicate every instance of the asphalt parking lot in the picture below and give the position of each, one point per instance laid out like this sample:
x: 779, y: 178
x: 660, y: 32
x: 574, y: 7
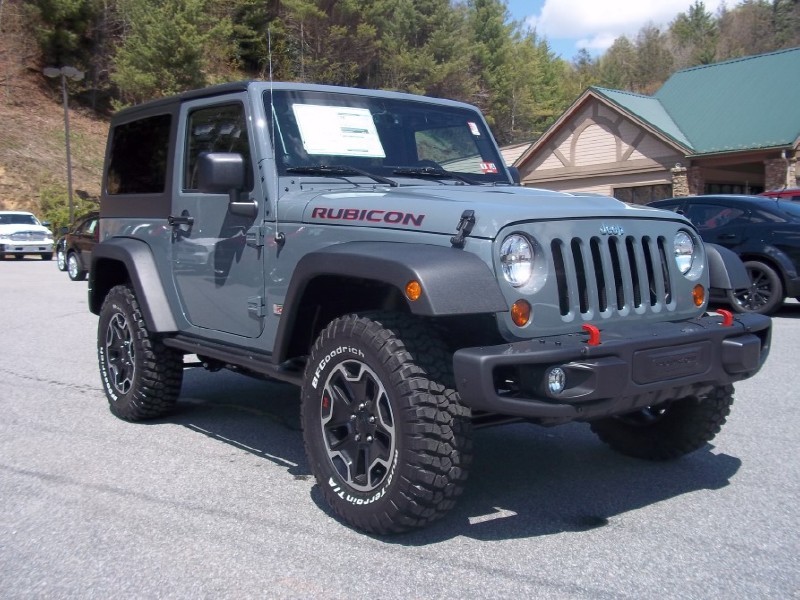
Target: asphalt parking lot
x: 217, y: 501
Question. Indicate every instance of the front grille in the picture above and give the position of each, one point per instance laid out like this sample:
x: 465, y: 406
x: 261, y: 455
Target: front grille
x: 611, y: 274
x: 28, y: 236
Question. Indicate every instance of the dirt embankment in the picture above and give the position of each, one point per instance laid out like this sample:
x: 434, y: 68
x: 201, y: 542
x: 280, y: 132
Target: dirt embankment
x: 32, y: 141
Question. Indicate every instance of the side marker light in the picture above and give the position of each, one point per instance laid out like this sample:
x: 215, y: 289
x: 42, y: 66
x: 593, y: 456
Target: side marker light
x: 413, y: 290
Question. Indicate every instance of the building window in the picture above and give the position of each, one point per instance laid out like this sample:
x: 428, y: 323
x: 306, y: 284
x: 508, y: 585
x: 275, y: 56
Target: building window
x: 642, y: 194
x: 733, y: 188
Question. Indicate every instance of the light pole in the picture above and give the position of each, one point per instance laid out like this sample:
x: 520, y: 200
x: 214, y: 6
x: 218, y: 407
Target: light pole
x: 75, y: 75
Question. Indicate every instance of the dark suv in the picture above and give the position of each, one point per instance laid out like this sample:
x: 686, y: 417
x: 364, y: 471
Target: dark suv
x: 74, y: 249
x: 764, y: 232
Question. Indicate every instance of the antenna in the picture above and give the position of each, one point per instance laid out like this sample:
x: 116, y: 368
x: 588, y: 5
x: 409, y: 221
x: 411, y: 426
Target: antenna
x: 280, y: 237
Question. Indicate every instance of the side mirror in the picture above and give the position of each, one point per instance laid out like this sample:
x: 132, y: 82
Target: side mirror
x: 223, y: 173
x: 64, y: 230
x: 220, y: 172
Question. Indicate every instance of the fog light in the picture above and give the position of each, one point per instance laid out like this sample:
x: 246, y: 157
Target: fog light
x: 699, y: 295
x: 556, y: 380
x: 521, y: 313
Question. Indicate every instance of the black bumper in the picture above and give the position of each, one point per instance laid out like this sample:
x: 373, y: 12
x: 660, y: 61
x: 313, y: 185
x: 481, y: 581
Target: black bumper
x: 630, y: 368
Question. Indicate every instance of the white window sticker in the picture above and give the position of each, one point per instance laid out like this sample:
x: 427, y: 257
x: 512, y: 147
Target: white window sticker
x: 473, y: 128
x: 338, y: 130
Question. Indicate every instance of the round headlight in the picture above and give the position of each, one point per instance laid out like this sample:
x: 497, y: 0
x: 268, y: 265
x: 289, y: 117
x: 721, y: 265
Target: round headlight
x: 684, y: 251
x: 516, y: 259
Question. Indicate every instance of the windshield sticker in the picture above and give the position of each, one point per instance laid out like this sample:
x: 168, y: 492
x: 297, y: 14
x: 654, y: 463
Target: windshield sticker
x: 474, y: 128
x: 338, y: 130
x: 488, y: 167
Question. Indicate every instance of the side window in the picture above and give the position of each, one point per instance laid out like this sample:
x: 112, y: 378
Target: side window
x: 138, y: 162
x: 216, y: 129
x: 708, y: 216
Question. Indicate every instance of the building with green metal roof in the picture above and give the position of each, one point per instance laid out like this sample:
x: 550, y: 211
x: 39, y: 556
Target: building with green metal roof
x: 729, y: 127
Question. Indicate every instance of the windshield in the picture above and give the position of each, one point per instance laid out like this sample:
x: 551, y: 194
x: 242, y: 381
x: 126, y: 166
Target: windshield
x: 18, y: 219
x: 384, y: 137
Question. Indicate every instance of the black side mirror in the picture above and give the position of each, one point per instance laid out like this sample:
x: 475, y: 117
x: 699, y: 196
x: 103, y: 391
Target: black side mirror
x: 220, y: 172
x: 223, y: 173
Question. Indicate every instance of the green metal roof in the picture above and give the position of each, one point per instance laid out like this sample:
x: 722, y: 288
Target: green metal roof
x: 647, y: 109
x: 742, y: 104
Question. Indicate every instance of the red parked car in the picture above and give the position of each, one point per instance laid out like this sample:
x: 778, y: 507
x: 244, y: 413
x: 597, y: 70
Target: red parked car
x: 784, y: 194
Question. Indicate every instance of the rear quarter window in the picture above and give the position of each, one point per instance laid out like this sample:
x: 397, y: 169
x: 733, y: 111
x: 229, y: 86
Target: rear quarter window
x: 138, y: 157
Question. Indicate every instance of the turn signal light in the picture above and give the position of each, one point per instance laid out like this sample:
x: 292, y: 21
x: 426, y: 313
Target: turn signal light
x: 699, y: 295
x: 413, y: 290
x: 521, y: 313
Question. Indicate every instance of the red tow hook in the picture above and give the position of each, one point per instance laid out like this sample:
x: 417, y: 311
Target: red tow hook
x: 727, y: 317
x: 594, y: 334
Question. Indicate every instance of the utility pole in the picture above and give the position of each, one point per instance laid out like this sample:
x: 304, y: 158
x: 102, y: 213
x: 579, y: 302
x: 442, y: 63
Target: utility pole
x: 75, y: 75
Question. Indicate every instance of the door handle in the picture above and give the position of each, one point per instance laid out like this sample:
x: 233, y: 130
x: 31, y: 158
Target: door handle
x: 182, y: 220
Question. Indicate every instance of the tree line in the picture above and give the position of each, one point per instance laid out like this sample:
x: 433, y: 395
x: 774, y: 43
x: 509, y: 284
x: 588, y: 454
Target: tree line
x: 470, y: 50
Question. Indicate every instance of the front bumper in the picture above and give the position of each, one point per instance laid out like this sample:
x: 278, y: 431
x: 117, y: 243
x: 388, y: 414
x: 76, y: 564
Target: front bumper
x: 631, y: 368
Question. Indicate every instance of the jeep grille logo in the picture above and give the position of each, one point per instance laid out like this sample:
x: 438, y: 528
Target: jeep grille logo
x: 611, y: 229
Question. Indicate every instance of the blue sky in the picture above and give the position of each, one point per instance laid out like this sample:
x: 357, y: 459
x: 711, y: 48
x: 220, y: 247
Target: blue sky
x: 570, y: 25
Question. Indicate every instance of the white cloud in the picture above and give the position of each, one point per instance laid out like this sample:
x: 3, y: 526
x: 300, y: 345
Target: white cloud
x: 595, y: 24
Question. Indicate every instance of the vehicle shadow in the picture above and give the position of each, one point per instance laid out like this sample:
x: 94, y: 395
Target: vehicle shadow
x: 526, y: 481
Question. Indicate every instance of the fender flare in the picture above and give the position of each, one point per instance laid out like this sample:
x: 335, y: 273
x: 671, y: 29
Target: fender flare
x: 726, y: 270
x: 454, y: 282
x: 139, y: 269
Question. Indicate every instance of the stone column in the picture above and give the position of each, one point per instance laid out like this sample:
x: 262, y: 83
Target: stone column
x: 776, y: 171
x: 680, y: 183
x: 697, y: 182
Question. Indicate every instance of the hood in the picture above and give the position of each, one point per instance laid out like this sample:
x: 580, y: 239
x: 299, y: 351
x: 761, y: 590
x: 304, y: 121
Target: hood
x: 16, y: 228
x: 438, y: 209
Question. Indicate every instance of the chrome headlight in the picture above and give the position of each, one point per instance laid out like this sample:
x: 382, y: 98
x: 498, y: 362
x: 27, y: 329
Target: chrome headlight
x: 683, y: 246
x: 516, y: 259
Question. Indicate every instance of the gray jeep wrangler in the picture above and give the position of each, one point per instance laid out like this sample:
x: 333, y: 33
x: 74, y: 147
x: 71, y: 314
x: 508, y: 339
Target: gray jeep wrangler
x: 373, y: 249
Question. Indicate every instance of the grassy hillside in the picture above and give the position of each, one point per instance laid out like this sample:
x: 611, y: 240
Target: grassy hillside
x: 32, y: 148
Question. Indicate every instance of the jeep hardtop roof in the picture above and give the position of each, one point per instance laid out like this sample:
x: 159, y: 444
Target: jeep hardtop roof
x: 262, y: 86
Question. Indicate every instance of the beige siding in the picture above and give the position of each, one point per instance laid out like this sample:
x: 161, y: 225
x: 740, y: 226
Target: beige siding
x: 595, y: 145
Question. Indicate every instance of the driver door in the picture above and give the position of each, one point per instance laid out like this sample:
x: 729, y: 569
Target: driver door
x: 217, y: 270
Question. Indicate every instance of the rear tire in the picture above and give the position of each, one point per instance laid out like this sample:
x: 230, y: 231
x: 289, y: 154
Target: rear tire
x: 74, y: 269
x: 389, y: 447
x: 141, y: 377
x: 669, y: 430
x: 61, y: 259
x: 47, y: 256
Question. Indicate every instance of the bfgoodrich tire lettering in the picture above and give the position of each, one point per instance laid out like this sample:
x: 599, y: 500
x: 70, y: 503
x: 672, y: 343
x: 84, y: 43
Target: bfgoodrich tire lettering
x: 141, y: 377
x: 670, y: 430
x: 389, y: 447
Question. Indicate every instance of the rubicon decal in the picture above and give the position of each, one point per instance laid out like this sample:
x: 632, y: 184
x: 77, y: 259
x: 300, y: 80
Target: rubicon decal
x: 370, y: 215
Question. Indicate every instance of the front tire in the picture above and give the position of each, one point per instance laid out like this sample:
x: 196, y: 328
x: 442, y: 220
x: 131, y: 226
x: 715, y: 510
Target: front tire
x: 669, y: 430
x: 141, y: 377
x: 389, y: 447
x: 765, y: 294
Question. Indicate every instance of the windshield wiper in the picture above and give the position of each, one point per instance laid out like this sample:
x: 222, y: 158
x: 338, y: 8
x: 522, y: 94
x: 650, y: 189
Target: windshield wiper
x: 341, y: 170
x: 434, y: 173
